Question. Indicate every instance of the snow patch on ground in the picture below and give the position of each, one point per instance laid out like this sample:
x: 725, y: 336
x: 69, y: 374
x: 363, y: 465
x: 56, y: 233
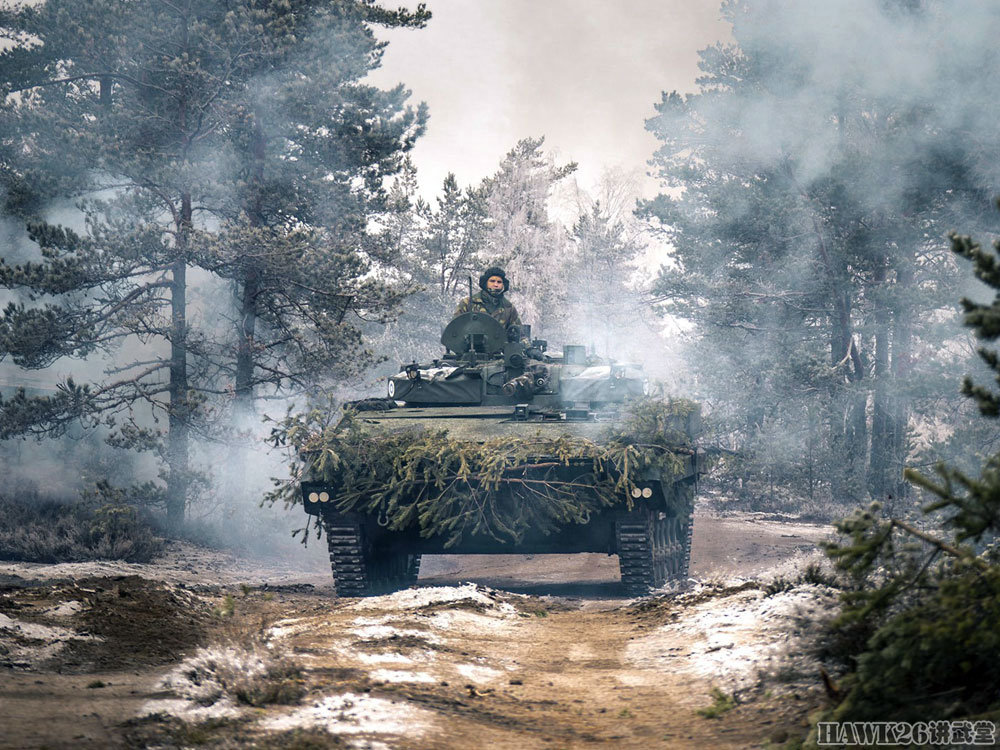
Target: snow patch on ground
x: 399, y: 675
x: 395, y: 639
x: 26, y: 645
x: 353, y: 713
x: 66, y: 609
x: 371, y: 632
x: 461, y: 620
x: 378, y: 658
x: 742, y: 640
x: 199, y: 678
x: 364, y: 743
x: 286, y: 628
x: 477, y: 672
x: 420, y: 598
x: 202, y: 685
x: 36, y: 632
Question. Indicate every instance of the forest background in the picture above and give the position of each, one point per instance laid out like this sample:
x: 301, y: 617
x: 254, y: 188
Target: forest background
x: 209, y: 212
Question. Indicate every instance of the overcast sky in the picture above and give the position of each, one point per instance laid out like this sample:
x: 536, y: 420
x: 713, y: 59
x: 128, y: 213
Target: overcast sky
x: 583, y: 73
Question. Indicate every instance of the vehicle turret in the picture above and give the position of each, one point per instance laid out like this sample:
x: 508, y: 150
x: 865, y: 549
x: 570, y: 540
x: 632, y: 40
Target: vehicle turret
x: 484, y: 366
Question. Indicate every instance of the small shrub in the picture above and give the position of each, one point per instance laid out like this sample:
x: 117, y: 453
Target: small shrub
x: 813, y: 574
x: 281, y: 683
x: 778, y: 586
x: 202, y: 733
x: 48, y: 531
x: 721, y: 702
x: 252, y: 676
x: 227, y: 607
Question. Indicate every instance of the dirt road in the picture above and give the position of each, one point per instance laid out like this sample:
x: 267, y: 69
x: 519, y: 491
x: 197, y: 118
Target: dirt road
x: 203, y: 649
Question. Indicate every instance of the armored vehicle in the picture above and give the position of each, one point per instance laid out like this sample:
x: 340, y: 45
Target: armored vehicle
x: 491, y: 389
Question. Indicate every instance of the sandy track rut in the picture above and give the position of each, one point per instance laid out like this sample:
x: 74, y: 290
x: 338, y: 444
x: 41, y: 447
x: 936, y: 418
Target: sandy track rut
x: 439, y: 667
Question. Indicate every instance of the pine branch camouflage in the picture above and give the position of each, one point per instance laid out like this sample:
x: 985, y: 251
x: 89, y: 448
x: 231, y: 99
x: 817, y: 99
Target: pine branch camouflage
x: 455, y: 488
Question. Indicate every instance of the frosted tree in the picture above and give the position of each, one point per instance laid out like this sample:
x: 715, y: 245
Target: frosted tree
x: 522, y: 237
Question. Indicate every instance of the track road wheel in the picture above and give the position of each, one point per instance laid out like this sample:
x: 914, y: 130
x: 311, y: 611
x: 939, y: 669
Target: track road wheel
x: 359, y: 569
x: 653, y: 548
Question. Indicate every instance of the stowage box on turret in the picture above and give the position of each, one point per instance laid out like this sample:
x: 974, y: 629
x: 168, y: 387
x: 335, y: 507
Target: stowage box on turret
x: 502, y: 447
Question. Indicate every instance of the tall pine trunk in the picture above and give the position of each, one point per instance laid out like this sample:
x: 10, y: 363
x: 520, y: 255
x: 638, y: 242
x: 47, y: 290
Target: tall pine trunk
x: 857, y: 443
x: 179, y: 421
x: 249, y: 291
x: 251, y: 283
x: 902, y: 342
x: 839, y: 343
x: 846, y: 415
x: 881, y: 461
x: 178, y: 476
x: 236, y: 483
x: 244, y: 393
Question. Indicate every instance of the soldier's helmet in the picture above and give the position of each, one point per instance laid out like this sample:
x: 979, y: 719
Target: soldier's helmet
x: 493, y: 271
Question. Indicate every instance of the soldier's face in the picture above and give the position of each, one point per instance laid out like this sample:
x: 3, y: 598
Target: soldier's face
x: 494, y: 284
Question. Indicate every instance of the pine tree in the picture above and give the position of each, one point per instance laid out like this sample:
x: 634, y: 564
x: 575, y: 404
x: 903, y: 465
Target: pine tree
x: 602, y: 307
x: 437, y: 250
x: 521, y: 236
x: 169, y: 112
x: 974, y: 503
x: 125, y: 93
x: 918, y: 626
x: 308, y: 147
x: 806, y: 228
x: 503, y: 220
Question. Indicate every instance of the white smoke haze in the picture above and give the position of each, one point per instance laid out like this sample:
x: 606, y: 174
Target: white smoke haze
x: 232, y: 488
x: 894, y: 103
x: 584, y: 73
x: 65, y: 468
x: 936, y: 65
x: 579, y: 261
x: 933, y: 65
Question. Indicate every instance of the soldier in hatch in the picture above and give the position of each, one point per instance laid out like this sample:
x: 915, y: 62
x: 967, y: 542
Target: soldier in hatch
x: 490, y: 300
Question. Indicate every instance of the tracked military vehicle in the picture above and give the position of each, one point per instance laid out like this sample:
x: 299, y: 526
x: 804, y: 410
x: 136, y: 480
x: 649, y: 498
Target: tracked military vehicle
x: 488, y: 388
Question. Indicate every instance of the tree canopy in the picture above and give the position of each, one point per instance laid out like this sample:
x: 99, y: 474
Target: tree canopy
x: 235, y: 141
x: 810, y: 187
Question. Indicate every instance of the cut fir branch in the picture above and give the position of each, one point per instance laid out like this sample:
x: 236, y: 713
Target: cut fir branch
x: 501, y: 487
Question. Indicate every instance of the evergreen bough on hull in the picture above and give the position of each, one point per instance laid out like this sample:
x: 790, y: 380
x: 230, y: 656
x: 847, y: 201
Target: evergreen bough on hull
x: 501, y: 487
